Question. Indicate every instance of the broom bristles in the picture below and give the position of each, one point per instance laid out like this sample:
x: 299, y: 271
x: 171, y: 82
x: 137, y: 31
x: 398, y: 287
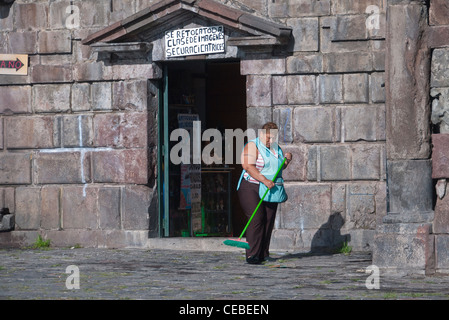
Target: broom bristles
x: 237, y: 243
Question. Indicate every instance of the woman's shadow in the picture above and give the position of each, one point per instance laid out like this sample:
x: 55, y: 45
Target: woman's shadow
x: 327, y: 240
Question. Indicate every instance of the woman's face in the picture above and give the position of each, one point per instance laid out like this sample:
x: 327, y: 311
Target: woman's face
x: 268, y: 137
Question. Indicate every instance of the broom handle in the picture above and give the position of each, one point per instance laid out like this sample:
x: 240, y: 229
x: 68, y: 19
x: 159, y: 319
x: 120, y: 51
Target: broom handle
x: 260, y: 202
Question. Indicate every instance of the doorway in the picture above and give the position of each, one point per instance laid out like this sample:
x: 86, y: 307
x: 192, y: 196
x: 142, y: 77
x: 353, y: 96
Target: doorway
x: 199, y: 199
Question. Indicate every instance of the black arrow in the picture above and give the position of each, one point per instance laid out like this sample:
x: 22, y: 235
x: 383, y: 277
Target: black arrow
x: 11, y: 64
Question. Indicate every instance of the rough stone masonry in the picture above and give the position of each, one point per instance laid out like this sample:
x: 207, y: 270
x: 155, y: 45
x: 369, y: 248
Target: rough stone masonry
x: 78, y: 134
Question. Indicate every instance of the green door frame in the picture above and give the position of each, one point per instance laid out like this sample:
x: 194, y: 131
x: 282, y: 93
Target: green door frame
x: 163, y: 158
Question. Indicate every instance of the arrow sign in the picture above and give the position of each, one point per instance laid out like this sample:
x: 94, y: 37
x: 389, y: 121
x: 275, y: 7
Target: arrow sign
x: 11, y: 64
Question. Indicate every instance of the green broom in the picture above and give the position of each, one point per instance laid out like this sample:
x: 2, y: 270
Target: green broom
x: 239, y: 242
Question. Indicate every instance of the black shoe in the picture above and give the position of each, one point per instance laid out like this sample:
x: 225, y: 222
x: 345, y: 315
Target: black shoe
x: 253, y: 260
x: 269, y: 259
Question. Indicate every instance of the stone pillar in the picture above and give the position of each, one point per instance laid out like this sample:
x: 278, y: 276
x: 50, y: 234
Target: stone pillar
x: 403, y: 242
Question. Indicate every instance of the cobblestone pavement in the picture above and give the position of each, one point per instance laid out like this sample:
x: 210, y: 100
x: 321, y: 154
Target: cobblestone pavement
x: 199, y: 275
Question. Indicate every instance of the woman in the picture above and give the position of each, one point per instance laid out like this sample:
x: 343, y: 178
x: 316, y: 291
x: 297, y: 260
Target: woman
x: 257, y: 156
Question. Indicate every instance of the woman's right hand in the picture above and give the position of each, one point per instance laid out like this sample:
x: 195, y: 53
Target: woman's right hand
x: 268, y: 183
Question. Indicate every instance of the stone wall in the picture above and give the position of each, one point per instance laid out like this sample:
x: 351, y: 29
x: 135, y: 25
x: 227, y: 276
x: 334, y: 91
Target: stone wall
x: 74, y: 167
x: 77, y: 153
x: 439, y: 16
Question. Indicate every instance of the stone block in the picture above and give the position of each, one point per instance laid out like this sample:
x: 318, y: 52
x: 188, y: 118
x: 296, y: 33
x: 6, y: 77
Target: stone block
x: 283, y: 117
x: 136, y: 203
x: 262, y: 66
x: 360, y: 123
x: 51, y: 98
x: 109, y: 208
x: 93, y: 12
x: 298, y: 8
x: 258, y: 91
x: 23, y: 42
x: 130, y: 95
x: 279, y: 86
x: 127, y: 130
x: 7, y: 21
x: 258, y: 116
x: 306, y: 63
x: 15, y: 99
x: 439, y: 12
x: 101, y: 93
x: 28, y: 208
x: 313, y: 124
x: 337, y: 62
x: 50, y: 217
x: 7, y: 222
x: 301, y: 89
x: 329, y: 46
x: 305, y: 34
x: 331, y: 88
x: 377, y: 87
x: 297, y: 168
x: 90, y: 71
x: 283, y: 239
x: 440, y: 109
x: 1, y: 133
x: 361, y: 207
x: 366, y: 162
x: 61, y: 167
x: 441, y: 249
x: 58, y: 15
x: 313, y: 173
x: 410, y: 186
x: 77, y: 131
x: 79, y: 207
x: 441, y: 218
x: 335, y: 163
x: 51, y: 74
x: 120, y: 166
x: 31, y: 132
x: 440, y: 68
x: 405, y: 252
x: 355, y: 88
x: 356, y: 6
x: 133, y: 72
x: 80, y: 97
x: 348, y: 28
x: 440, y: 156
x: 55, y: 42
x: 31, y: 16
x: 308, y: 206
x: 15, y: 168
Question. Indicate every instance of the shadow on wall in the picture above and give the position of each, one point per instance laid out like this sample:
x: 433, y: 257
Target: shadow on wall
x: 328, y: 238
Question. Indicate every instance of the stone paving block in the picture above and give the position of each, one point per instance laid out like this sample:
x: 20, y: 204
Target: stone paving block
x: 355, y: 88
x: 15, y: 168
x: 31, y: 132
x: 306, y: 34
x: 440, y: 68
x: 120, y: 166
x: 440, y: 156
x: 313, y: 124
x: 63, y: 167
x: 301, y: 89
x: 258, y: 91
x: 51, y: 98
x: 15, y: 99
x: 331, y: 88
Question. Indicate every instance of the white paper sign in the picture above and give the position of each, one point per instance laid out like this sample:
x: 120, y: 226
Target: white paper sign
x: 187, y: 42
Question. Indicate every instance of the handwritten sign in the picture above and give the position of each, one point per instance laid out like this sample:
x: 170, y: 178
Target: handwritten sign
x: 14, y: 64
x: 187, y: 42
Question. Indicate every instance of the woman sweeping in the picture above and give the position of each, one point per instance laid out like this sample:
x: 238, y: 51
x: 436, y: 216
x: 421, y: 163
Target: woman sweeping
x: 261, y: 159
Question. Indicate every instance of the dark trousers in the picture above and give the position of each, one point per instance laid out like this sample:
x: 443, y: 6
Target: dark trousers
x: 258, y: 234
